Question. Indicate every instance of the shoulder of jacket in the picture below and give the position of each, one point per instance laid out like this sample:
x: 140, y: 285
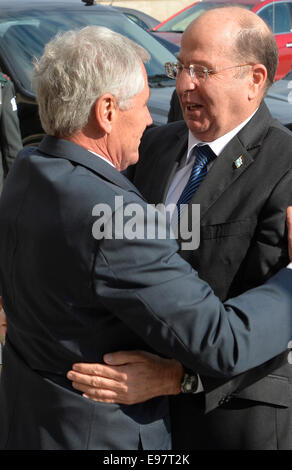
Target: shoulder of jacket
x: 4, y: 79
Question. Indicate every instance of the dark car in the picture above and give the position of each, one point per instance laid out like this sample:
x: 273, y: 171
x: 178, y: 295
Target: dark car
x: 25, y: 28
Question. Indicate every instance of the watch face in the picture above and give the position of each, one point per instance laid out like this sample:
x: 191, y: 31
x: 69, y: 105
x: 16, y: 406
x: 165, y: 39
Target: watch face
x: 189, y: 384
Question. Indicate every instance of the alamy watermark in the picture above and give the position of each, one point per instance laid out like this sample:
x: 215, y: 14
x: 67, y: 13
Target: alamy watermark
x: 142, y: 221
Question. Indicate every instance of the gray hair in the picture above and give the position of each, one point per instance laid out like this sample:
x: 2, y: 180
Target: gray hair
x: 254, y: 42
x: 258, y: 45
x: 77, y: 68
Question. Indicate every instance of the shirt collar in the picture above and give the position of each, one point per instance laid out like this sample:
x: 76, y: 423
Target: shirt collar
x: 219, y: 144
x: 103, y: 158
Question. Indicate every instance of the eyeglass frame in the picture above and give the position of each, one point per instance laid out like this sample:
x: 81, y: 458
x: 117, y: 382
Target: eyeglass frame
x: 192, y: 72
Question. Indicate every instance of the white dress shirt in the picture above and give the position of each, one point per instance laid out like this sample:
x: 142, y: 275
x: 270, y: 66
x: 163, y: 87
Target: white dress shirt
x: 183, y: 172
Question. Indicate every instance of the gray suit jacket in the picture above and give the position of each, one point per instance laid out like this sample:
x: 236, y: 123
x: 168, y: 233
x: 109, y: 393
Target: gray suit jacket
x: 242, y: 243
x: 71, y: 296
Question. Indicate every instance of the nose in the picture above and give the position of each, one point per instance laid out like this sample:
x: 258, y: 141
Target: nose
x: 184, y: 82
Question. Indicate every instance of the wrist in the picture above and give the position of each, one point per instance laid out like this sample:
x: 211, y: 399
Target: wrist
x: 174, y: 376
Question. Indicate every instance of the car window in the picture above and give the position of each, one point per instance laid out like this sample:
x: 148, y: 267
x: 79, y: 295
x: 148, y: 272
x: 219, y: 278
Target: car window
x: 23, y: 38
x: 282, y: 18
x: 277, y: 16
x: 137, y: 20
x: 268, y: 15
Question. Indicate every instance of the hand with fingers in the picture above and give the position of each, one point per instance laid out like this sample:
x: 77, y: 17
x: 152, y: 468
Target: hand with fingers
x: 128, y: 377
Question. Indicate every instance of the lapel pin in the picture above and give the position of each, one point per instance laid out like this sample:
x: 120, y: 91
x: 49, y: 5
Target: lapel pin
x: 238, y: 162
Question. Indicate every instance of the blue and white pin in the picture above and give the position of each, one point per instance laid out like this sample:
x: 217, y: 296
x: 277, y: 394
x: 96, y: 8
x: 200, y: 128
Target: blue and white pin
x: 238, y: 162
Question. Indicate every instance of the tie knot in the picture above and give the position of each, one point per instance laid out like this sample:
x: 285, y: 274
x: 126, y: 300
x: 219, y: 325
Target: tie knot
x: 204, y: 154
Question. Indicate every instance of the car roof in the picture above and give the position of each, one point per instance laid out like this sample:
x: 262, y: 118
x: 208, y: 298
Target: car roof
x: 21, y: 5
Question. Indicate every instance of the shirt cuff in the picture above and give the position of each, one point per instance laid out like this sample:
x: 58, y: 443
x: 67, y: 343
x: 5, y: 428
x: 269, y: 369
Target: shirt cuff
x: 289, y: 266
x: 200, y: 385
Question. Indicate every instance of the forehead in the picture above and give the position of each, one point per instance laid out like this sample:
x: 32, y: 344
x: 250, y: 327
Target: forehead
x: 206, y: 42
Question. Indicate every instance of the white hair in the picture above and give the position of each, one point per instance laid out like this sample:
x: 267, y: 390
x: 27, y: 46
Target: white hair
x: 77, y: 68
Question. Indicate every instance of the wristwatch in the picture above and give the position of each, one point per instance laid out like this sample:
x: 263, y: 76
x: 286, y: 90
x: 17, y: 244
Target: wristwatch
x: 189, y: 383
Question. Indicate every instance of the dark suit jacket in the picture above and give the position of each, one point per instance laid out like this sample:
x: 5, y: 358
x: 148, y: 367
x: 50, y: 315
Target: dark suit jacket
x: 70, y: 296
x: 242, y: 243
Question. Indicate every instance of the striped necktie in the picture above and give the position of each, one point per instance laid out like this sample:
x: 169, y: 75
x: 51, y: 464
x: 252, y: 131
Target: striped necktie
x: 203, y: 156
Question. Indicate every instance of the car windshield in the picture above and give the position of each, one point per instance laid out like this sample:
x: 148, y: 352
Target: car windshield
x: 23, y: 37
x: 179, y: 23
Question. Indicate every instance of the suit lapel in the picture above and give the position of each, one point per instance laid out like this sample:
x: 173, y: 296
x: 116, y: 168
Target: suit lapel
x: 61, y: 148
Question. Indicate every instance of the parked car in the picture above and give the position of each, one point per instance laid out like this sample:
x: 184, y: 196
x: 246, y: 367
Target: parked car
x: 25, y: 28
x: 276, y: 13
x: 279, y: 100
x: 148, y: 23
x: 171, y: 46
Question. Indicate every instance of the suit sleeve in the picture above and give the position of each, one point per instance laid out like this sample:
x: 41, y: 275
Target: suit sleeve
x: 10, y: 132
x: 157, y: 294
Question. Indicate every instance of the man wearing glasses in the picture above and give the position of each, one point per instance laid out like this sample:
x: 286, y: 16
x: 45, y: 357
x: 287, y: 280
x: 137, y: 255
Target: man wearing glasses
x: 242, y: 181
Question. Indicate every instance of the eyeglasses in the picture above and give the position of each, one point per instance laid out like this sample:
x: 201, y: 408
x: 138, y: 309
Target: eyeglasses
x: 199, y: 72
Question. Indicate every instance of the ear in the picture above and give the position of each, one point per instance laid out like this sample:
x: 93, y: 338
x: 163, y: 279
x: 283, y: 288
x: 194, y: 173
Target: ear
x: 105, y: 109
x: 258, y: 80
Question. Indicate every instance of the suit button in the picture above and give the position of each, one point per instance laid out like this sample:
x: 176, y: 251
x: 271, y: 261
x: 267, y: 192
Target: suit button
x: 225, y: 400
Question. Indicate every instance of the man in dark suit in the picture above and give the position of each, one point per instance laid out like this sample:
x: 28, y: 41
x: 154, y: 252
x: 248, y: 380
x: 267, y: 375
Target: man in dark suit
x: 243, y: 234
